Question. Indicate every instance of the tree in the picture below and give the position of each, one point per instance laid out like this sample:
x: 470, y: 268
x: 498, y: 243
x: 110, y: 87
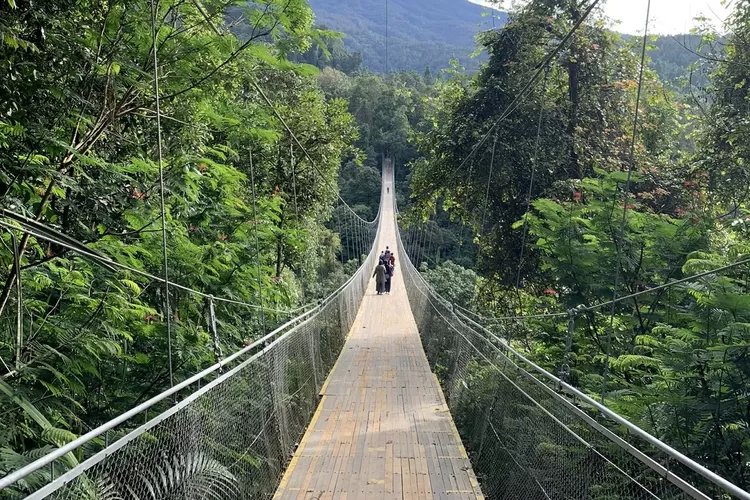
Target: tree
x: 583, y: 130
x: 723, y: 154
x: 454, y: 282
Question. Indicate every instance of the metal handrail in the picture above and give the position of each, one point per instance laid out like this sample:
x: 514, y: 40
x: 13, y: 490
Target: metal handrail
x: 660, y: 445
x: 631, y: 427
x: 94, y: 433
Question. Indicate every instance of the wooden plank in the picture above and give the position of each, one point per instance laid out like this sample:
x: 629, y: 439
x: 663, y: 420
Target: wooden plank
x: 344, y: 441
x: 438, y: 478
x: 366, y: 480
x: 413, y: 478
x: 446, y: 466
x: 406, y: 487
x: 346, y: 485
x: 328, y: 453
x: 378, y: 469
x: 398, y: 490
x: 388, y: 473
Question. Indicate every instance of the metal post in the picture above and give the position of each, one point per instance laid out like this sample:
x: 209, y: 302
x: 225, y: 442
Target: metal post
x: 257, y: 244
x: 565, y: 367
x: 214, y: 331
x: 341, y: 234
x: 19, y: 299
x: 361, y: 241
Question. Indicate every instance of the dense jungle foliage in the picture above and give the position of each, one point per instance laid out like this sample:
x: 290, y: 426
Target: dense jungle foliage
x: 247, y: 214
x: 249, y: 217
x: 676, y: 362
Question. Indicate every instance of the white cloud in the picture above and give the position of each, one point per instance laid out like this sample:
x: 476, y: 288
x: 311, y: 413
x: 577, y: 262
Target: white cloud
x: 667, y: 16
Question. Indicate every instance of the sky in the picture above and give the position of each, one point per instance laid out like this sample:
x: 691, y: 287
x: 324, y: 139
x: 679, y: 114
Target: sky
x: 667, y: 16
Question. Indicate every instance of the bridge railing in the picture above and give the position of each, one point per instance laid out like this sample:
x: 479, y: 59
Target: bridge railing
x: 530, y: 435
x: 227, y: 432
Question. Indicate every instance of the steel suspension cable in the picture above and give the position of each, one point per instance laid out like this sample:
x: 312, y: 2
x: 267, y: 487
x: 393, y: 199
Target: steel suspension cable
x: 19, y: 303
x: 387, y: 66
x: 514, y: 318
x: 294, y: 180
x: 165, y: 264
x: 622, y: 298
x: 537, y: 374
x: 111, y: 264
x: 489, y: 182
x: 257, y: 242
x: 534, y: 369
x: 623, y: 221
x: 531, y: 185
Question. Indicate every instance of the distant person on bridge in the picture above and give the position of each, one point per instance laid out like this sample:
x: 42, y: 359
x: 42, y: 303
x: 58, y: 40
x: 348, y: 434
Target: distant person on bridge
x: 379, y: 276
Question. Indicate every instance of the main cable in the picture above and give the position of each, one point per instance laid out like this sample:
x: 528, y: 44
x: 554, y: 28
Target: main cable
x: 621, y: 236
x: 109, y: 264
x: 582, y: 309
x: 165, y: 264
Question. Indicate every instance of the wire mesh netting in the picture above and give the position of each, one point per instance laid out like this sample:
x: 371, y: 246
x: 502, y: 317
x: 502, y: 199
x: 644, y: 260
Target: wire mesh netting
x: 527, y: 435
x: 230, y: 433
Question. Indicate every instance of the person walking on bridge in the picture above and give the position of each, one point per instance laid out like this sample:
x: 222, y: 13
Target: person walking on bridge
x: 379, y: 276
x: 388, y: 275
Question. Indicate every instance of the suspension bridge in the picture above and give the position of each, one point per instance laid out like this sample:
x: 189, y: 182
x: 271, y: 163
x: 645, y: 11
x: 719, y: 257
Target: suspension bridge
x: 361, y: 396
x: 370, y: 396
x: 382, y: 428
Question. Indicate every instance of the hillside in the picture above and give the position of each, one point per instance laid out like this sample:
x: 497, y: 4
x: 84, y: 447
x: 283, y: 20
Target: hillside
x: 672, y: 57
x: 421, y: 32
x: 432, y: 32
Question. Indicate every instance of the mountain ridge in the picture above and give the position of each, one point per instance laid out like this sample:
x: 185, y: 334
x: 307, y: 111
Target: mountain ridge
x: 424, y: 33
x: 420, y: 32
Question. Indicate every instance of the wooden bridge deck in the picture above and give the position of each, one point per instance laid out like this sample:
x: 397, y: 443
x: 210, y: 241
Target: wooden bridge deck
x: 382, y: 429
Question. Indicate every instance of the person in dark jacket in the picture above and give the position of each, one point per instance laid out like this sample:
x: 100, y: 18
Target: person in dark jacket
x: 388, y: 275
x: 379, y: 276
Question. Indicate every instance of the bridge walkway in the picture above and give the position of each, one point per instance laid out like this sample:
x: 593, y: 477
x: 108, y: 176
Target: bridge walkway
x: 382, y: 429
